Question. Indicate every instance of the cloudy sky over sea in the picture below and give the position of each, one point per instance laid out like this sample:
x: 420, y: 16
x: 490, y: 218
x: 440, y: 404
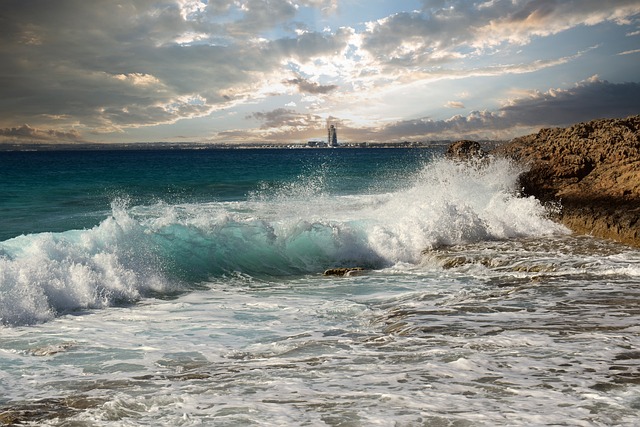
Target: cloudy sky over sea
x: 279, y: 70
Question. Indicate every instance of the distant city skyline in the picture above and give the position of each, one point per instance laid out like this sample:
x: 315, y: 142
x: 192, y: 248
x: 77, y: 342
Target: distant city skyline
x: 282, y: 71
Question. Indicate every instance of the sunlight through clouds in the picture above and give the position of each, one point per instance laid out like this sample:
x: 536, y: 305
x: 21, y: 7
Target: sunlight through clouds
x: 155, y: 67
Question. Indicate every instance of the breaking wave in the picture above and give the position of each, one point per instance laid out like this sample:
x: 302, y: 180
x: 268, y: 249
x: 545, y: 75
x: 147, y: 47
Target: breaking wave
x: 301, y: 228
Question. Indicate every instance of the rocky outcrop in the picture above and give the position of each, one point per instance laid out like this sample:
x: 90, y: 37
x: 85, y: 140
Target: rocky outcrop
x: 592, y: 169
x: 465, y: 150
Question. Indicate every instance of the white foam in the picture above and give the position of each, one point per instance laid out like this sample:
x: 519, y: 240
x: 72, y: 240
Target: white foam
x: 295, y: 229
x: 46, y: 274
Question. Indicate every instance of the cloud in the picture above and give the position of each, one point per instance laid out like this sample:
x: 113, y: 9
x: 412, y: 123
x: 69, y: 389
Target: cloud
x: 629, y: 52
x: 260, y: 15
x: 444, y: 73
x: 446, y: 31
x: 286, y: 119
x: 309, y: 45
x: 26, y: 133
x: 476, y: 125
x: 286, y: 125
x: 454, y: 104
x: 587, y: 100
x: 310, y: 87
x: 111, y: 66
x: 105, y: 67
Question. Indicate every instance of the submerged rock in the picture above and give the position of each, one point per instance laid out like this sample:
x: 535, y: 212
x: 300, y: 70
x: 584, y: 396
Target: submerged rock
x: 46, y: 409
x: 50, y: 350
x: 591, y: 169
x: 343, y: 271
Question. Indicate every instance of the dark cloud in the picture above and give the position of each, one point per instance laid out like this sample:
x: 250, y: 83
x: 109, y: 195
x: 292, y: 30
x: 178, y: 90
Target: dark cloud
x: 108, y: 66
x: 28, y: 133
x: 588, y: 100
x: 474, y: 125
x: 309, y: 45
x: 310, y: 87
x: 286, y: 118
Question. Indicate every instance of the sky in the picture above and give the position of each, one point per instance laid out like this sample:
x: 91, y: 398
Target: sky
x: 281, y: 71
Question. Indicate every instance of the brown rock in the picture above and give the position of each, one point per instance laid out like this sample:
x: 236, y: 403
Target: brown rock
x: 465, y: 150
x: 592, y: 169
x: 343, y: 271
x: 36, y: 412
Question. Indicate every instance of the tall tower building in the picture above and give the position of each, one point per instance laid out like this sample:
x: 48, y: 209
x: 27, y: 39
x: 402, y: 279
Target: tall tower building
x: 332, y: 139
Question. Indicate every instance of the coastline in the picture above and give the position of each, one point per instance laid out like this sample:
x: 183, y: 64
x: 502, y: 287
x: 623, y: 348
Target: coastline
x: 591, y: 170
x: 34, y: 146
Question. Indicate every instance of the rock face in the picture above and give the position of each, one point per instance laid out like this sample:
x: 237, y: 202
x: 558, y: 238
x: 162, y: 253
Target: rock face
x: 592, y: 169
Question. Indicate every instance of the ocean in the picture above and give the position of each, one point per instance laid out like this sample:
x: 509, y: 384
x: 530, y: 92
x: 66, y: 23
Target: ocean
x: 186, y: 287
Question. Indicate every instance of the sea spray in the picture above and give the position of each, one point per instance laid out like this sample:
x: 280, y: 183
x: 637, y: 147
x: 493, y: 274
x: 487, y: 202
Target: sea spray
x: 452, y: 203
x: 45, y: 274
x: 298, y: 228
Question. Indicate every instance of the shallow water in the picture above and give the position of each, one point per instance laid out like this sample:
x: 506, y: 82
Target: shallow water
x: 475, y: 309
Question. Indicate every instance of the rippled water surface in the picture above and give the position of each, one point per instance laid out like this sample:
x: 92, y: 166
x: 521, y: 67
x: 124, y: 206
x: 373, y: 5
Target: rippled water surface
x: 473, y: 309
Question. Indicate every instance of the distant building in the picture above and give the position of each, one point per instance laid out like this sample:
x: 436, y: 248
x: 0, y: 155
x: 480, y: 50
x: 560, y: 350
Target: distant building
x: 332, y: 139
x: 316, y: 143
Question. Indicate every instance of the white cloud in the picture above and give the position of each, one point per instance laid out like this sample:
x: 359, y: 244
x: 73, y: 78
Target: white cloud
x: 139, y: 79
x: 443, y: 32
x: 519, y: 22
x: 454, y: 104
x: 629, y: 52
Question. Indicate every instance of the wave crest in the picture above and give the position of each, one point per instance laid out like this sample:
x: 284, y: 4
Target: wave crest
x: 144, y: 250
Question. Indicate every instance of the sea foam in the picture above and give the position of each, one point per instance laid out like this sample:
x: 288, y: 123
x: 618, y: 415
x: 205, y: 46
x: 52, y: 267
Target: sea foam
x: 295, y: 229
x: 45, y: 274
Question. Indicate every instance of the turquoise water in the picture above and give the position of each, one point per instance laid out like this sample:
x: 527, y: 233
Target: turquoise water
x: 77, y: 194
x: 185, y: 287
x: 61, y: 190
